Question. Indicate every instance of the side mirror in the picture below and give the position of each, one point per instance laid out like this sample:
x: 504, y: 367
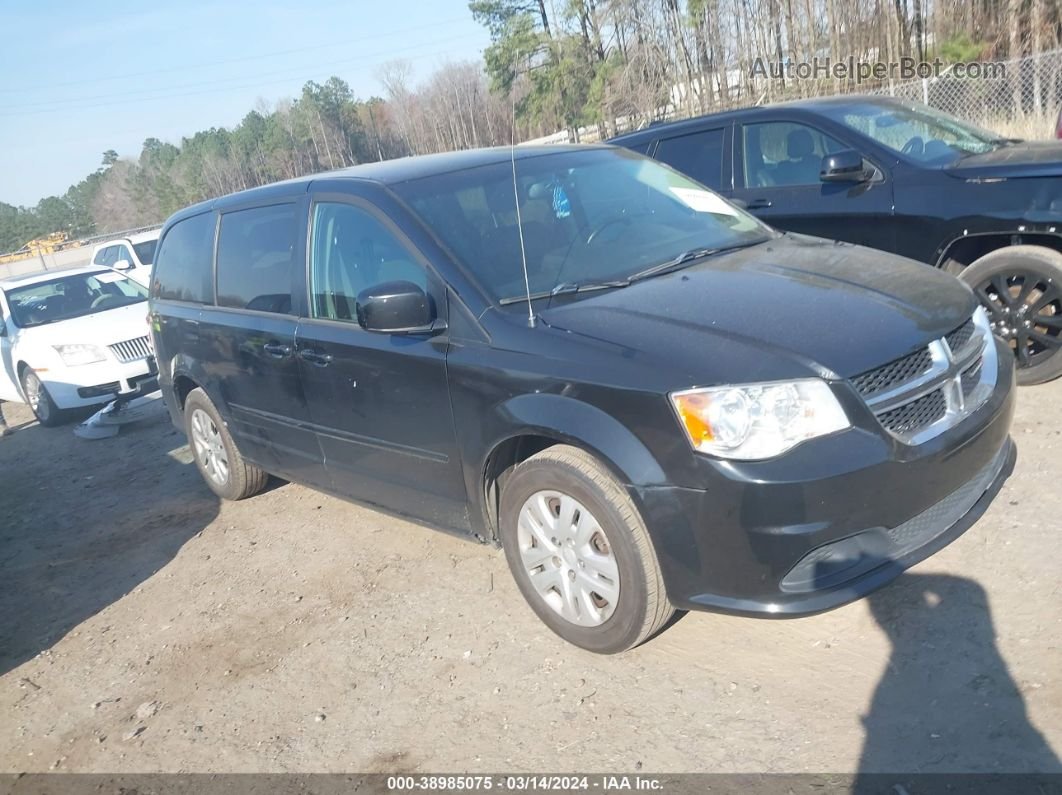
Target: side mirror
x: 395, y: 308
x: 122, y: 265
x: 843, y: 166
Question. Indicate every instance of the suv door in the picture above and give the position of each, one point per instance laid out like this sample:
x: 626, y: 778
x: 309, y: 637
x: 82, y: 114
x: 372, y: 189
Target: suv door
x: 248, y: 338
x: 776, y: 173
x: 380, y: 402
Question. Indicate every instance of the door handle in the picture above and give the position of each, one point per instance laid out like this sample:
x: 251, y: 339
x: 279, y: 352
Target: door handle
x: 277, y: 350
x: 316, y: 357
x: 758, y: 204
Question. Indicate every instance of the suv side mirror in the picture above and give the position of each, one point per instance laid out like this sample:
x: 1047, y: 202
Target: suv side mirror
x: 843, y: 166
x: 397, y: 307
x: 122, y: 265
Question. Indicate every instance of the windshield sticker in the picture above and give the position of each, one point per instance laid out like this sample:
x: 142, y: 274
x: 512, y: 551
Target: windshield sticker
x: 107, y: 277
x: 703, y: 202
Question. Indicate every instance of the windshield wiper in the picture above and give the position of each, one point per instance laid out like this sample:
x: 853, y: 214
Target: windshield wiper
x: 686, y: 258
x: 566, y: 288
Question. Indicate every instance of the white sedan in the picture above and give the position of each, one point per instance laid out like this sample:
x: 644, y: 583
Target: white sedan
x: 73, y: 338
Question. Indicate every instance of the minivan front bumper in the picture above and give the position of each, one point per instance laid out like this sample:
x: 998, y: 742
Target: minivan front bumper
x: 832, y: 521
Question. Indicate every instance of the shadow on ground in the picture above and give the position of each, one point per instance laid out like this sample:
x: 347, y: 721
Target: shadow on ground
x: 946, y: 702
x: 69, y: 545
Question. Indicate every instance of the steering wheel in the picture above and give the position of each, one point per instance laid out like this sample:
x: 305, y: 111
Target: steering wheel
x: 102, y: 299
x: 914, y: 146
x: 597, y: 230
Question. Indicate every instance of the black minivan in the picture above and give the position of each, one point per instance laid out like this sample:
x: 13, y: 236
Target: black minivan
x: 647, y: 397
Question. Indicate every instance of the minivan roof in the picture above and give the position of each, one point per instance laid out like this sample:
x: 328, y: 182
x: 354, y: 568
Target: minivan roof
x: 391, y: 172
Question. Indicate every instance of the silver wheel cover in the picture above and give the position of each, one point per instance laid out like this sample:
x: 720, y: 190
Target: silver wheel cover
x: 209, y: 447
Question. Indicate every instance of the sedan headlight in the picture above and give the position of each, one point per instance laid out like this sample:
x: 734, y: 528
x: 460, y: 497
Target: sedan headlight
x: 752, y: 421
x: 80, y: 354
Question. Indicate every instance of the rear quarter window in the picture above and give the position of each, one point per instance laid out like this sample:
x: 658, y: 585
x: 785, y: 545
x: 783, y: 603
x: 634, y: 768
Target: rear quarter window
x: 184, y: 263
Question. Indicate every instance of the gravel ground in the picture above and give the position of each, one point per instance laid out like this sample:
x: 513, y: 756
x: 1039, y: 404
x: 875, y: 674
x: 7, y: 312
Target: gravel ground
x: 144, y: 627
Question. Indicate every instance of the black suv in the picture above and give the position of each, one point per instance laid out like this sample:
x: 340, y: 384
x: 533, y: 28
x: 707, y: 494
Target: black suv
x: 904, y: 178
x: 647, y: 397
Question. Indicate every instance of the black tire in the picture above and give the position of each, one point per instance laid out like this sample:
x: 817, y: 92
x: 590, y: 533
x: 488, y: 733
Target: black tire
x: 1023, y: 272
x: 243, y: 478
x: 47, y: 413
x: 642, y: 607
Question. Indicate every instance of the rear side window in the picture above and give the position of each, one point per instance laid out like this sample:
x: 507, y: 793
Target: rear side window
x: 184, y: 269
x: 256, y: 250
x: 699, y: 155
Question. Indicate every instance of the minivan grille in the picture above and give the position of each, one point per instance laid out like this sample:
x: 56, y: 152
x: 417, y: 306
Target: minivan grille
x: 893, y: 374
x: 926, y: 392
x: 917, y: 414
x: 132, y: 350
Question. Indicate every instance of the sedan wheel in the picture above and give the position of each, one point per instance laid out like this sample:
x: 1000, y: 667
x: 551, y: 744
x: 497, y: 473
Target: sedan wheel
x: 209, y: 448
x: 39, y: 401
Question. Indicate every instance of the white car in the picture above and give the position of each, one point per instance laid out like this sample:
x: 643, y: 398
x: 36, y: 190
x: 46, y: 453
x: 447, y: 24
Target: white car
x: 132, y: 255
x: 73, y: 338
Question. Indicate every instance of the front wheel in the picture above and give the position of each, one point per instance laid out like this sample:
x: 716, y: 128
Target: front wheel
x: 40, y: 401
x: 580, y: 553
x: 1021, y: 289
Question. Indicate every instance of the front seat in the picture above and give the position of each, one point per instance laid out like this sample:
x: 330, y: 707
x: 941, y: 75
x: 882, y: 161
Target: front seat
x: 803, y: 165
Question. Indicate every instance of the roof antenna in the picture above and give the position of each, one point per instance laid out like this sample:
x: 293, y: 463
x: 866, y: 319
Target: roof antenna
x: 520, y: 223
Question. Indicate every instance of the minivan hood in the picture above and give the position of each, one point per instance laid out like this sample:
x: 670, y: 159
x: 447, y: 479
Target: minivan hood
x: 100, y: 328
x: 831, y: 306
x: 1014, y: 161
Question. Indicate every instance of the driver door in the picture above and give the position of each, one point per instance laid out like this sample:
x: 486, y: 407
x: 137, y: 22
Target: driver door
x: 9, y: 389
x: 776, y: 173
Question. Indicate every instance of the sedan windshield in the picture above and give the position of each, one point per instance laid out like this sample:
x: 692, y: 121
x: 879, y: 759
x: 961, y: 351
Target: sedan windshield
x: 73, y: 296
x: 916, y: 131
x: 591, y: 218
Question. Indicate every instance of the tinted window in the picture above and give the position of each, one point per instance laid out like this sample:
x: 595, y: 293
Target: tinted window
x: 699, y: 155
x: 352, y: 250
x: 106, y: 256
x: 783, y: 153
x: 185, y: 261
x: 255, y: 255
x: 145, y: 251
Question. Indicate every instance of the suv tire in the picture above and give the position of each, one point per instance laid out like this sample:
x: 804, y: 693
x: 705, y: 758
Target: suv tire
x: 218, y: 459
x: 569, y: 527
x: 1021, y: 271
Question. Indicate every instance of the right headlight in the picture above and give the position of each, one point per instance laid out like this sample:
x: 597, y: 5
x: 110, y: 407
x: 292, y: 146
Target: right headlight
x: 750, y: 421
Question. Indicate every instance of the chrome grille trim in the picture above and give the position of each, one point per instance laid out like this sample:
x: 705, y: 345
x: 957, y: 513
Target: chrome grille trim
x: 964, y: 377
x: 132, y: 350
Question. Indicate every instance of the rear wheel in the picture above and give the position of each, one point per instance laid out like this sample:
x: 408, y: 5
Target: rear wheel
x: 39, y: 401
x: 219, y: 461
x: 580, y: 553
x: 1021, y: 289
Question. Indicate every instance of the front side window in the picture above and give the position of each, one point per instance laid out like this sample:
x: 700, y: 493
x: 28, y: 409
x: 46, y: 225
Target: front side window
x: 700, y: 155
x: 785, y: 154
x: 593, y: 215
x: 915, y: 131
x: 351, y: 250
x: 106, y: 256
x: 185, y: 269
x: 68, y: 297
x: 256, y: 253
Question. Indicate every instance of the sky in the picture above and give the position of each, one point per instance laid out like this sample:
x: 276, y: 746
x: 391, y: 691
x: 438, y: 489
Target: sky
x: 79, y: 78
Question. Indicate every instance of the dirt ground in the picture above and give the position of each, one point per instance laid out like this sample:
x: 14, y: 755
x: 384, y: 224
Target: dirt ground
x: 144, y: 626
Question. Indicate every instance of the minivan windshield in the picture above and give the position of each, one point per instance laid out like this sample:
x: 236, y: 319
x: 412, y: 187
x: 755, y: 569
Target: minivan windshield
x: 595, y: 217
x: 915, y: 131
x: 72, y: 296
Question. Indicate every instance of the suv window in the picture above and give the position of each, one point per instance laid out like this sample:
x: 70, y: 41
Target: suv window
x: 185, y: 260
x: 106, y: 256
x: 145, y: 251
x: 782, y: 153
x: 122, y: 252
x: 351, y: 250
x: 699, y: 155
x: 255, y: 255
